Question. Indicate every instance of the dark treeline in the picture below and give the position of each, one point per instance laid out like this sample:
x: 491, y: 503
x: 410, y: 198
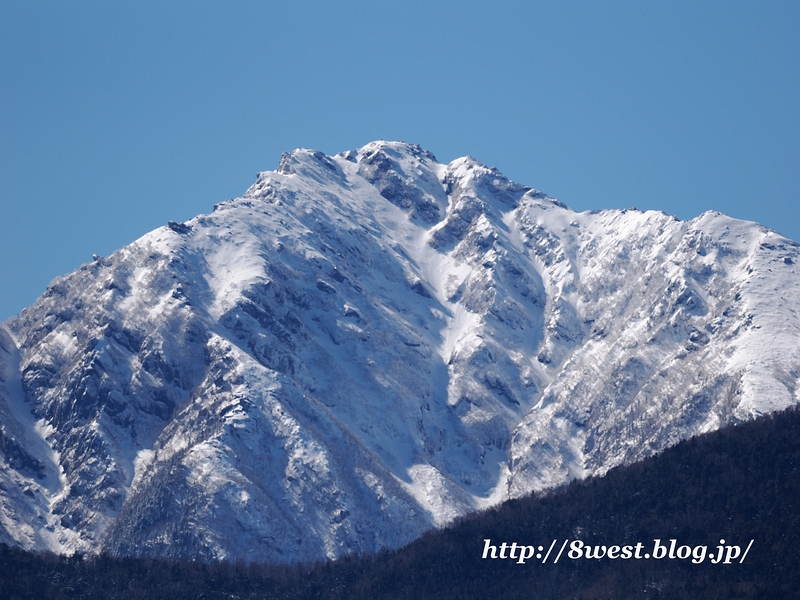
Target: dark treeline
x: 737, y: 484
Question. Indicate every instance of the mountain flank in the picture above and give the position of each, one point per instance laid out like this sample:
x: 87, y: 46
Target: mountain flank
x: 739, y: 484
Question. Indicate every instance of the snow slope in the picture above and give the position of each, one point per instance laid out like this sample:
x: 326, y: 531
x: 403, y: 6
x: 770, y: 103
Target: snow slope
x: 368, y: 345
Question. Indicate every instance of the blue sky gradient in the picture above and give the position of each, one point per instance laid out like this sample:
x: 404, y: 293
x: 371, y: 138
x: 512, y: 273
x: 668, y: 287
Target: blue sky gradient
x: 116, y: 117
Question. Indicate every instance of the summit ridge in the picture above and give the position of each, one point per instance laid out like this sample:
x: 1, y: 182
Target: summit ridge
x: 368, y: 345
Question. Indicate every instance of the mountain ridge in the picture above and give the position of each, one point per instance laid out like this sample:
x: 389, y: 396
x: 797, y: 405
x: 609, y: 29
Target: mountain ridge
x: 368, y: 345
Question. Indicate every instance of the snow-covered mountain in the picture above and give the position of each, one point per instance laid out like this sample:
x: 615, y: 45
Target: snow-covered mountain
x: 367, y: 345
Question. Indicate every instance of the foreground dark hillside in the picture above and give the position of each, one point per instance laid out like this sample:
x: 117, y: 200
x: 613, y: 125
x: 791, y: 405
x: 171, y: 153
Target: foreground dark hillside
x: 738, y: 484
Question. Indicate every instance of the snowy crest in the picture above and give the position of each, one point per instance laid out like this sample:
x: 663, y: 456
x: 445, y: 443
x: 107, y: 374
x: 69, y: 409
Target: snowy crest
x: 368, y: 345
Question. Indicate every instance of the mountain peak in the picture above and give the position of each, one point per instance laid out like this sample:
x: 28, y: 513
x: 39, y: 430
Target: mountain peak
x: 368, y: 345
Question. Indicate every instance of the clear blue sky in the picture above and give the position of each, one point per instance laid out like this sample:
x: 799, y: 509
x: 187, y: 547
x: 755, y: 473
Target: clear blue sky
x: 116, y: 117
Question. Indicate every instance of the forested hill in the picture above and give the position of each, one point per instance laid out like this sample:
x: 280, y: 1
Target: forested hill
x: 737, y: 484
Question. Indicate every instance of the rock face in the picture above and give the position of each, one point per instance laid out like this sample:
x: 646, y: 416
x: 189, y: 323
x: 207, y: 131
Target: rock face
x: 367, y: 345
